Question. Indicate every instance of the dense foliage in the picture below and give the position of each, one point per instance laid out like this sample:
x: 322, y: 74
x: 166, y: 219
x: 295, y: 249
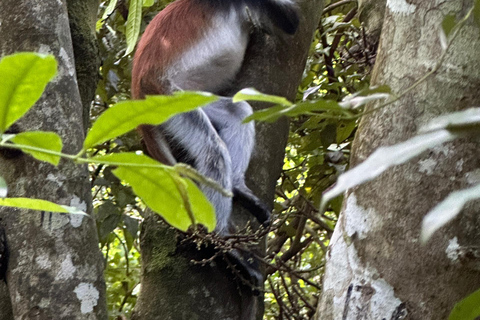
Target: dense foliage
x: 324, y: 118
x: 338, y: 66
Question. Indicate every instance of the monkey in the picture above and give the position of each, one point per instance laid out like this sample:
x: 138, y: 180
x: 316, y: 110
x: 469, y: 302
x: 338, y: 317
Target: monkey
x: 200, y: 45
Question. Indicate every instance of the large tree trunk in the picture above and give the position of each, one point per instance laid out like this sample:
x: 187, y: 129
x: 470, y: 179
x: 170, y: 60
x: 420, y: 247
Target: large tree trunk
x: 55, y: 267
x: 171, y: 285
x: 377, y: 269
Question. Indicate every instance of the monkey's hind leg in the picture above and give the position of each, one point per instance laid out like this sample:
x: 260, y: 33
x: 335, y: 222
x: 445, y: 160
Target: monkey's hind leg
x: 227, y: 118
x: 194, y: 134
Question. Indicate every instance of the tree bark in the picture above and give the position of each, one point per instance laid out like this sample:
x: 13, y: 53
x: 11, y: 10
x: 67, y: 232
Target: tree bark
x: 82, y: 15
x: 171, y: 285
x: 371, y: 14
x: 377, y: 269
x: 55, y: 267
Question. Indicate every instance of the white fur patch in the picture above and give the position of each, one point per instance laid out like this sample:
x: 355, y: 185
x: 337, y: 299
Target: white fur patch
x: 214, y: 60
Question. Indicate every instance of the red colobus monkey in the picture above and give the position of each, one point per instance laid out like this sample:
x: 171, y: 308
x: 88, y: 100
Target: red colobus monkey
x: 200, y: 45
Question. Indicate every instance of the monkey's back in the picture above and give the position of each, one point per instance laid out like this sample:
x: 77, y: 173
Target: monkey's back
x: 190, y: 45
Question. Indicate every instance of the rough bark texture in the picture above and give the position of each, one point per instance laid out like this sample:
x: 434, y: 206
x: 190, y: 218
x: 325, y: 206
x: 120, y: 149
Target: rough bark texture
x: 82, y: 16
x: 171, y: 285
x: 371, y: 14
x: 55, y: 268
x: 377, y: 269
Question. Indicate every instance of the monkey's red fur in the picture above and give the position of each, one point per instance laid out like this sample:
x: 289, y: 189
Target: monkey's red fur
x: 164, y: 40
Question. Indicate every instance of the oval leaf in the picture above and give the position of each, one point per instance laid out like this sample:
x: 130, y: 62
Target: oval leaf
x: 157, y: 187
x: 38, y: 204
x: 148, y: 3
x: 127, y: 115
x: 23, y: 77
x: 446, y: 210
x: 448, y: 23
x: 49, y: 141
x: 306, y: 107
x: 476, y: 12
x: 467, y: 309
x: 251, y: 94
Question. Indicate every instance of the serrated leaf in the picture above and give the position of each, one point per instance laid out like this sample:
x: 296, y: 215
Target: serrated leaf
x: 448, y: 23
x: 446, y: 210
x: 3, y: 188
x: 460, y: 120
x: 251, y: 94
x: 158, y: 188
x: 42, y: 140
x: 384, y: 158
x: 39, y: 204
x: 134, y: 21
x: 23, y: 78
x: 127, y: 115
x: 468, y: 308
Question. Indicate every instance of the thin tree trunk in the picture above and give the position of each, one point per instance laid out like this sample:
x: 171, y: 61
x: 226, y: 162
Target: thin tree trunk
x: 377, y: 269
x: 171, y: 285
x: 82, y: 15
x: 55, y: 268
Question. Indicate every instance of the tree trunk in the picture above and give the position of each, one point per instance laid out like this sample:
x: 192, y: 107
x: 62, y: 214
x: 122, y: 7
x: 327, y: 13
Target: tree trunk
x: 171, y: 285
x: 55, y: 268
x: 82, y: 15
x: 377, y: 269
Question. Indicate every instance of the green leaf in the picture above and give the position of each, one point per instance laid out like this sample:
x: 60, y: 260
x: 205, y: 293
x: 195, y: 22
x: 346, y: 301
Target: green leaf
x: 251, y: 94
x: 131, y: 159
x: 40, y: 140
x: 127, y: 115
x: 3, y: 188
x: 384, y: 158
x: 476, y: 12
x: 268, y: 115
x: 467, y: 309
x: 38, y: 204
x: 148, y: 3
x: 131, y: 225
x: 159, y: 189
x: 108, y: 11
x: 306, y: 107
x: 446, y: 210
x: 23, y: 78
x: 134, y: 22
x: 448, y: 23
x: 108, y: 217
